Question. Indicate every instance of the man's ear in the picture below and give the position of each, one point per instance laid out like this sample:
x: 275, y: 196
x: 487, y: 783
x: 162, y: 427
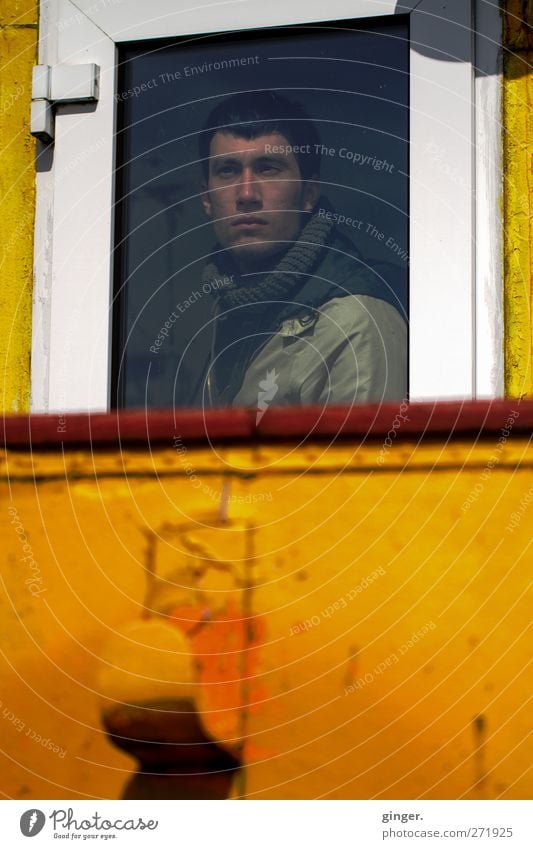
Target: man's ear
x: 206, y: 200
x: 311, y: 193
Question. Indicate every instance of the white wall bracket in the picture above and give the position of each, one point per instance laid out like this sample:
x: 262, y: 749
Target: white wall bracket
x: 59, y: 84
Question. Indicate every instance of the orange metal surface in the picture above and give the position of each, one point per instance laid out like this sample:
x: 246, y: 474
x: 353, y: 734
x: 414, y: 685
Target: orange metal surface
x: 350, y: 621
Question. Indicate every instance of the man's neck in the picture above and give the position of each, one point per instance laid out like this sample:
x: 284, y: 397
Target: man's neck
x: 254, y: 265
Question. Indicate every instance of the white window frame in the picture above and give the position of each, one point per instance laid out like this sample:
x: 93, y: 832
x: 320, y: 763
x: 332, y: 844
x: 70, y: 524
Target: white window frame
x: 456, y: 338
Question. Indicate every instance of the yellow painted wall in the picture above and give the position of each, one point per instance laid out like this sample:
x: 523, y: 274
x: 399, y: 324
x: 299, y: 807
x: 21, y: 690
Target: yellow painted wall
x: 18, y: 52
x: 518, y: 197
x: 384, y: 603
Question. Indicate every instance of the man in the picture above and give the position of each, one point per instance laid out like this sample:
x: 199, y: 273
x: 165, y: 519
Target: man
x: 298, y: 318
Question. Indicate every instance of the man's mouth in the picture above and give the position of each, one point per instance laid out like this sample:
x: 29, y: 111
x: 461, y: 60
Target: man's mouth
x: 248, y: 221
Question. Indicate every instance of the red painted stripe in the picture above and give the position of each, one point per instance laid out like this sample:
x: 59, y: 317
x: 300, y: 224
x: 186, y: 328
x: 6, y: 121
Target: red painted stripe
x: 142, y: 428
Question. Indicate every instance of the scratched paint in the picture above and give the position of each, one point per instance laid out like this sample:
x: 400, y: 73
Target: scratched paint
x: 479, y: 728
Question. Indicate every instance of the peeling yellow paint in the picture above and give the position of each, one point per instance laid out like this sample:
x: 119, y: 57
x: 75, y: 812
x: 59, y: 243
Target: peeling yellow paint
x: 518, y: 199
x: 18, y: 50
x: 245, y: 463
x: 18, y: 13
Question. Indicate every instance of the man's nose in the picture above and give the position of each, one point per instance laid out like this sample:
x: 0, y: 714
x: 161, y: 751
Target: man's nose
x: 248, y: 191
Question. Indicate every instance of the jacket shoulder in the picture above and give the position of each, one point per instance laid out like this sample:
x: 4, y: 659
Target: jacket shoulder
x: 353, y: 274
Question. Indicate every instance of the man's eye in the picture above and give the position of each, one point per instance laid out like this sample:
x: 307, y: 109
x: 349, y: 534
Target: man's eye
x: 226, y: 170
x: 269, y: 169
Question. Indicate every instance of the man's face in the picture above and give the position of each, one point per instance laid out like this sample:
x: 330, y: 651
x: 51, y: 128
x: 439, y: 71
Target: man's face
x: 255, y: 197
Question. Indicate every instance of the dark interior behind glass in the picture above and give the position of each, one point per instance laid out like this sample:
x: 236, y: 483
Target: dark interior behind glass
x: 352, y: 79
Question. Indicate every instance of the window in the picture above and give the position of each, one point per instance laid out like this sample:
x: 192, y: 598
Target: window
x: 343, y: 90
x: 429, y: 217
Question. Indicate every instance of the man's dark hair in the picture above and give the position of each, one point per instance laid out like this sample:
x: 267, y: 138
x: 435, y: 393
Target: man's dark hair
x: 259, y: 113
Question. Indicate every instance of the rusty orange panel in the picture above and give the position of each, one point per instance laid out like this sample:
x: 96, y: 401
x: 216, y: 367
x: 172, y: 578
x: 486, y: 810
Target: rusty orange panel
x: 333, y: 621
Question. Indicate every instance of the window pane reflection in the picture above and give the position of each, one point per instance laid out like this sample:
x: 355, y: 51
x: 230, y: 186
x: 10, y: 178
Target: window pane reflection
x: 262, y: 228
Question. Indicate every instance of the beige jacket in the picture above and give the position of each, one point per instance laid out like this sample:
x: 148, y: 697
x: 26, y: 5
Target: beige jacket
x: 353, y: 350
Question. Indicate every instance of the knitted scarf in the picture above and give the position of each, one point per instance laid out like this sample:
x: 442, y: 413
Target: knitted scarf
x: 277, y: 285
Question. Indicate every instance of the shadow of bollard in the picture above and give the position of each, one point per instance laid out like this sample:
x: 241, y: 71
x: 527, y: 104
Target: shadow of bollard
x: 177, y: 759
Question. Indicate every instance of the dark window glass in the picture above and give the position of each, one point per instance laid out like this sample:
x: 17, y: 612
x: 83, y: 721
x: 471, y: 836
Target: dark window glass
x: 241, y: 277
